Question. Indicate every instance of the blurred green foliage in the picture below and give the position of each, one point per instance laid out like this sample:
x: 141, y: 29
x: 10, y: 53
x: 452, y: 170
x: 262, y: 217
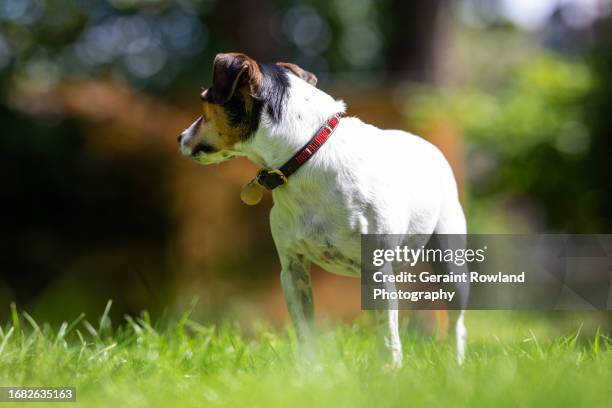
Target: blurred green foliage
x: 168, y: 44
x: 530, y: 140
x: 530, y: 108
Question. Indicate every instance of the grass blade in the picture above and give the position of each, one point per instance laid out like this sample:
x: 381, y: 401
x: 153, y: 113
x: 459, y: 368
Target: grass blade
x: 91, y: 329
x: 61, y: 332
x: 6, y: 339
x: 596, y: 342
x: 75, y: 322
x: 99, y: 352
x: 137, y: 329
x: 104, y: 320
x: 185, y: 317
x: 32, y: 322
x: 15, y: 319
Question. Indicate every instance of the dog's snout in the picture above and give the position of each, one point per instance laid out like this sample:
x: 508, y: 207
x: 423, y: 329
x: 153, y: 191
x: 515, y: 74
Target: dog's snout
x: 189, y: 133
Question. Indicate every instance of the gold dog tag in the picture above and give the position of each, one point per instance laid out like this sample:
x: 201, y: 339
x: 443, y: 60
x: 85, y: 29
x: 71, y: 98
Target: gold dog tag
x: 251, y: 193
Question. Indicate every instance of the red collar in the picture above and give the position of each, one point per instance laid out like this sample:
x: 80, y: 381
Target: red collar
x: 272, y: 178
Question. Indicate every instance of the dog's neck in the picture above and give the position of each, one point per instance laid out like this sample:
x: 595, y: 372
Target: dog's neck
x: 305, y: 110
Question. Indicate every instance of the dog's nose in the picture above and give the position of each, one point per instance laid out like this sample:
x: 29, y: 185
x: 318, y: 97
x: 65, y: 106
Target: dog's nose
x: 179, y: 138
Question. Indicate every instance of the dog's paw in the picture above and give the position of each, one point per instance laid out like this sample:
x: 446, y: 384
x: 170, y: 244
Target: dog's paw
x: 393, y: 366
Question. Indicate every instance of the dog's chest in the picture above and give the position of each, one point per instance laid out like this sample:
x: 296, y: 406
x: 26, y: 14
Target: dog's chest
x: 329, y: 243
x: 327, y: 234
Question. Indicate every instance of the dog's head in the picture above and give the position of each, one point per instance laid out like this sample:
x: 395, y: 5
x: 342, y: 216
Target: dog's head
x: 242, y: 90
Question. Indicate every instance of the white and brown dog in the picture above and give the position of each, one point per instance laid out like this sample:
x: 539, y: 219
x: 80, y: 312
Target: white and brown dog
x: 361, y: 180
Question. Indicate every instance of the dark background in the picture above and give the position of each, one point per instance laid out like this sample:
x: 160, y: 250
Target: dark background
x: 97, y: 204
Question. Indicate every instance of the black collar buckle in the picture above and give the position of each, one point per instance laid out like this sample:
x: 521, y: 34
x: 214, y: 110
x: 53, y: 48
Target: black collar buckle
x: 270, y: 178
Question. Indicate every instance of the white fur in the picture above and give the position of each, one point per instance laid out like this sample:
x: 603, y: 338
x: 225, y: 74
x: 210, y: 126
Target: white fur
x: 363, y: 180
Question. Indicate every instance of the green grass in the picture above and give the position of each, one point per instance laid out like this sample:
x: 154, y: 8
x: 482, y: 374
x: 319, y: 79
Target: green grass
x: 513, y: 360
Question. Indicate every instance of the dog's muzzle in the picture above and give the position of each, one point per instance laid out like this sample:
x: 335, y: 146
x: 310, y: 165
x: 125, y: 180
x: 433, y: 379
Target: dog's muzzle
x: 187, y: 136
x: 202, y: 148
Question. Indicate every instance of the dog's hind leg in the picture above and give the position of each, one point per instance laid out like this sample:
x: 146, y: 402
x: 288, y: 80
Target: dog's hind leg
x: 461, y: 289
x: 460, y: 337
x: 393, y: 341
x: 450, y: 233
x: 297, y: 288
x: 457, y: 315
x: 392, y: 337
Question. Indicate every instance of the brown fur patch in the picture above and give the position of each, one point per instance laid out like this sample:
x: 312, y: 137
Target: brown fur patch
x: 302, y: 73
x: 227, y: 107
x: 224, y: 134
x: 231, y: 72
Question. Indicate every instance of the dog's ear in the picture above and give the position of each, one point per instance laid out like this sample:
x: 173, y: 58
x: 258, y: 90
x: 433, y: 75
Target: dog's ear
x: 302, y: 73
x: 231, y: 72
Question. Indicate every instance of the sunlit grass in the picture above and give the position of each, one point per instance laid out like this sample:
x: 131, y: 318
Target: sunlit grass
x: 511, y: 362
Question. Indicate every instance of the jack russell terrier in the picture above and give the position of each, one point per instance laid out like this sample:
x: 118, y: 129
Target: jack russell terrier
x: 332, y: 178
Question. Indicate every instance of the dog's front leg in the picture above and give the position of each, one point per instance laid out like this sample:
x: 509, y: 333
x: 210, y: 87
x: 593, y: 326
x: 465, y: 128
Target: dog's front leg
x: 297, y: 288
